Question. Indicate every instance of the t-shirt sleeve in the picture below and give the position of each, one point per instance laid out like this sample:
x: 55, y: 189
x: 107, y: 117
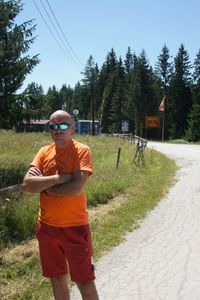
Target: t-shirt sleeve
x: 38, y: 160
x: 84, y: 161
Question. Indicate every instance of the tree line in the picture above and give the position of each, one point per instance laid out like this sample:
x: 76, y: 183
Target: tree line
x: 126, y: 88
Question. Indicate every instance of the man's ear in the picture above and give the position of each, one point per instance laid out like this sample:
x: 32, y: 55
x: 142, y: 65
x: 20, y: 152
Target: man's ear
x: 72, y: 127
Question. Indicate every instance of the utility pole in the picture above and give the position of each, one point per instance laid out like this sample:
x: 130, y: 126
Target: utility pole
x: 163, y: 119
x: 163, y: 126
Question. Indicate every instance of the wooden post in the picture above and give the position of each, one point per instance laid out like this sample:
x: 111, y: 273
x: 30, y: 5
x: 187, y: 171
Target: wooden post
x: 118, y: 157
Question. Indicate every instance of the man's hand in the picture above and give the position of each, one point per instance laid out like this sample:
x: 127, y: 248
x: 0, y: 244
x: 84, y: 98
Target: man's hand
x: 35, y: 182
x: 72, y: 186
x: 34, y: 171
x: 64, y: 178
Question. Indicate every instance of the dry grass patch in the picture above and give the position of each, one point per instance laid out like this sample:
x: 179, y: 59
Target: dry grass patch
x: 20, y: 252
x: 100, y: 211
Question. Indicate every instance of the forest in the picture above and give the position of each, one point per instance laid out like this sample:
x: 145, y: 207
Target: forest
x: 122, y: 88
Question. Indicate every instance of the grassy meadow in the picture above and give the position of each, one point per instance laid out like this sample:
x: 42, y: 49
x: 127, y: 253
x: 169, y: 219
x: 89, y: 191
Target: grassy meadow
x: 118, y: 199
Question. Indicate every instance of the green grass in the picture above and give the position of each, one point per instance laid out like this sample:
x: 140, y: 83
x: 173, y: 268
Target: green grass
x: 17, y: 219
x: 178, y: 141
x: 16, y: 152
x: 140, y: 187
x: 18, y: 215
x: 148, y: 187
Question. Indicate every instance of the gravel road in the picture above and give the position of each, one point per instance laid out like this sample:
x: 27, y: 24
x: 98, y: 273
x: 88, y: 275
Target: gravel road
x: 161, y: 259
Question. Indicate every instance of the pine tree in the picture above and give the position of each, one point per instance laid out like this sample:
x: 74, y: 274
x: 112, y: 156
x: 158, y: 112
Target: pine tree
x: 196, y: 77
x: 129, y: 61
x: 164, y: 69
x: 66, y: 97
x: 15, y: 41
x: 128, y: 106
x: 79, y: 95
x: 116, y: 115
x: 179, y: 102
x: 110, y: 71
x: 193, y: 131
x: 32, y: 102
x: 53, y: 101
x: 89, y: 106
x: 144, y: 92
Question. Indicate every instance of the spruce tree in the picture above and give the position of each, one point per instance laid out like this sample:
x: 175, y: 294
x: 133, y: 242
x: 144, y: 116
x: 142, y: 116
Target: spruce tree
x: 128, y: 106
x: 53, y: 101
x: 89, y: 106
x: 179, y: 101
x: 193, y: 131
x: 15, y: 41
x: 32, y: 100
x: 80, y: 93
x: 196, y: 77
x: 110, y: 71
x: 164, y: 69
x: 116, y: 115
x: 144, y: 92
x: 66, y: 97
x: 129, y: 61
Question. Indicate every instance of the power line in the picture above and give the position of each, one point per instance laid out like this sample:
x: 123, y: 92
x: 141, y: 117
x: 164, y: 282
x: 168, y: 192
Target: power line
x: 63, y: 32
x: 54, y: 35
x: 50, y: 19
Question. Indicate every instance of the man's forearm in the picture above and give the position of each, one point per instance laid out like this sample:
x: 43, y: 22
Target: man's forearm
x: 37, y: 184
x: 68, y: 188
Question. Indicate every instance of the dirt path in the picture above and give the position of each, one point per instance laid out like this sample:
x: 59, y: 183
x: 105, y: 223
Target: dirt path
x: 160, y: 260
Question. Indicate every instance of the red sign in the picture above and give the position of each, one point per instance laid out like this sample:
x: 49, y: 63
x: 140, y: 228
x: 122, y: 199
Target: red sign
x: 152, y: 122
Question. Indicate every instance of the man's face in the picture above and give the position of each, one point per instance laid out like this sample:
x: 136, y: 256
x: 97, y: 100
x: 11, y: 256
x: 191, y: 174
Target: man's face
x: 61, y: 129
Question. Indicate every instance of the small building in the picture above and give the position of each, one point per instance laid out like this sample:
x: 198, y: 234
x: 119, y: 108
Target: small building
x: 85, y: 126
x: 35, y: 126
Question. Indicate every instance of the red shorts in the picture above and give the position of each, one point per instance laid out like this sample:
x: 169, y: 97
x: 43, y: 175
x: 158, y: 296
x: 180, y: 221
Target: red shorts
x: 61, y: 248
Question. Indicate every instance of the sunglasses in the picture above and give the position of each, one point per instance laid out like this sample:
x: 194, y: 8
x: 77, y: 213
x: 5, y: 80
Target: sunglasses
x: 61, y: 126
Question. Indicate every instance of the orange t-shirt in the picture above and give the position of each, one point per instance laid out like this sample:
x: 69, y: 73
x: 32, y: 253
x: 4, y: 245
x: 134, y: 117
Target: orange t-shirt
x: 63, y: 211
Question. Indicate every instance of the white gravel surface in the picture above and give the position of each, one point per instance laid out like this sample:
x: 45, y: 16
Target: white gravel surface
x: 161, y: 259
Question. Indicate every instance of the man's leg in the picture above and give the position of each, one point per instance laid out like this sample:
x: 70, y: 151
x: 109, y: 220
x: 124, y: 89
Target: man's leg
x: 60, y: 288
x: 88, y: 290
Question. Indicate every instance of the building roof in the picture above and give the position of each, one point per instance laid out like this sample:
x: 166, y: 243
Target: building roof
x: 37, y: 122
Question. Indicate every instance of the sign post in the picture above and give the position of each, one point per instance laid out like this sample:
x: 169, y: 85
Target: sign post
x: 162, y: 108
x: 152, y: 122
x: 125, y: 126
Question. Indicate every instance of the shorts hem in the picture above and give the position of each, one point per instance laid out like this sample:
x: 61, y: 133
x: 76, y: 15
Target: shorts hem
x: 54, y: 275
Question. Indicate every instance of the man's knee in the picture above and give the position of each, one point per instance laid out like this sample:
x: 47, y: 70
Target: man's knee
x: 60, y: 287
x: 59, y: 282
x: 58, y: 279
x: 88, y: 289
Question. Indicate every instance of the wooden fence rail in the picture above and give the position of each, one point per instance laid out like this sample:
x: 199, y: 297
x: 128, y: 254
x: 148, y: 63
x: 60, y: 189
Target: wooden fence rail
x: 6, y: 192
x: 138, y: 141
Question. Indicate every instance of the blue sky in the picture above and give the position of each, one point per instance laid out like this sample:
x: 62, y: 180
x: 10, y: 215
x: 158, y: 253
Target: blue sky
x: 94, y: 27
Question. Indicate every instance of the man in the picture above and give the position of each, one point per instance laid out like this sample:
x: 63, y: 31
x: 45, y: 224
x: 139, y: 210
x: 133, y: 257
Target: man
x: 59, y: 172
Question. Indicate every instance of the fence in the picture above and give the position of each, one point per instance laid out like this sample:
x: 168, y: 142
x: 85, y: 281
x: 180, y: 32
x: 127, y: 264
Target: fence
x: 6, y: 192
x: 139, y: 149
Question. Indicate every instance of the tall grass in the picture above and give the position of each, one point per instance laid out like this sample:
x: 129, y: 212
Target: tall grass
x: 17, y: 219
x: 17, y: 151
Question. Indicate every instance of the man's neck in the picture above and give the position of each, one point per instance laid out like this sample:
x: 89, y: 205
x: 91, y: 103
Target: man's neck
x: 63, y: 144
